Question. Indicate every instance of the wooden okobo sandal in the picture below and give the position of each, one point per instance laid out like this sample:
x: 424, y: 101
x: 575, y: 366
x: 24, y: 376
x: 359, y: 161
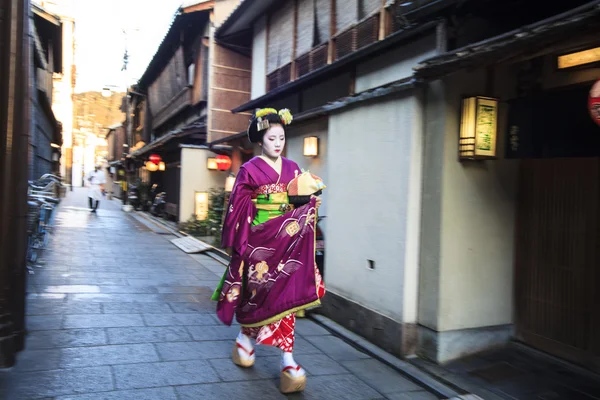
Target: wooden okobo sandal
x: 239, y: 360
x: 290, y: 384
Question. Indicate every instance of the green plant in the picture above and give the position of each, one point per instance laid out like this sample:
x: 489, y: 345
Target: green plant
x: 212, y: 225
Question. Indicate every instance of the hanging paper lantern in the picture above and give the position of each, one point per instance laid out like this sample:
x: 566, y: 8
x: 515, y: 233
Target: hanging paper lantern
x: 223, y: 162
x: 155, y: 158
x: 150, y: 166
x: 594, y: 102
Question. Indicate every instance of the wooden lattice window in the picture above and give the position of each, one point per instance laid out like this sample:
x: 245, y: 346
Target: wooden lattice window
x: 311, y: 61
x: 357, y: 37
x: 280, y: 77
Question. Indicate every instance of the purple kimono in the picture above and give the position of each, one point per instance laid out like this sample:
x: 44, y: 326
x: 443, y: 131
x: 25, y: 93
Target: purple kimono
x: 272, y: 271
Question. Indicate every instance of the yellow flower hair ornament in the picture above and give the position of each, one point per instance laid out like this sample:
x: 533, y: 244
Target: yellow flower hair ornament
x: 286, y: 116
x: 265, y: 111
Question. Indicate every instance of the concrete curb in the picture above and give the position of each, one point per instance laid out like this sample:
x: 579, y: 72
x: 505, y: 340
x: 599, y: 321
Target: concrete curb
x: 410, y: 371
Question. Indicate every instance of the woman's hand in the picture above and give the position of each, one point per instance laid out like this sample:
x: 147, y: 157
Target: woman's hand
x: 318, y: 202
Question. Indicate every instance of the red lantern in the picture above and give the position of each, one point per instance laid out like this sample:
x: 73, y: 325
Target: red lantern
x: 594, y: 102
x: 155, y: 158
x: 223, y: 162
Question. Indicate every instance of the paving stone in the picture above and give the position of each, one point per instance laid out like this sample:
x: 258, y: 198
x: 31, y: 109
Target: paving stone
x: 183, y: 298
x: 137, y: 376
x: 92, y: 280
x: 319, y: 364
x: 164, y: 393
x: 419, y: 395
x: 264, y: 390
x: 116, y: 297
x: 199, y: 289
x: 148, y: 335
x: 380, y: 376
x: 305, y: 327
x: 264, y: 368
x: 178, y: 319
x: 135, y: 308
x: 179, y: 351
x: 44, y: 322
x: 65, y: 338
x: 44, y: 307
x: 334, y: 387
x: 38, y: 360
x: 221, y: 332
x: 107, y: 355
x: 39, y: 384
x: 204, y: 307
x: 336, y: 348
x: 103, y: 321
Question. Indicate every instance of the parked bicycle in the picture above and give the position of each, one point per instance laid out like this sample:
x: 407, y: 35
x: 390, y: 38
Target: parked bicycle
x: 43, y: 198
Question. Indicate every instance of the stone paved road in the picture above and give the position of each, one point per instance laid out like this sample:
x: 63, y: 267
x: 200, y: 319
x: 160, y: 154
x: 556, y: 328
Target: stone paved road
x: 117, y: 313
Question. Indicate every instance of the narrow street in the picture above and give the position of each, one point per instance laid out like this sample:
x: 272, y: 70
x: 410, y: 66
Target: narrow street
x: 118, y: 312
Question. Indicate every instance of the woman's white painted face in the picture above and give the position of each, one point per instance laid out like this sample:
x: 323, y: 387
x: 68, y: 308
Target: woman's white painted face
x: 273, y: 141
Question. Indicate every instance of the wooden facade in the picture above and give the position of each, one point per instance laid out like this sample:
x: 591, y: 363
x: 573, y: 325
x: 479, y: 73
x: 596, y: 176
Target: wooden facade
x: 230, y: 83
x: 306, y: 35
x: 558, y: 258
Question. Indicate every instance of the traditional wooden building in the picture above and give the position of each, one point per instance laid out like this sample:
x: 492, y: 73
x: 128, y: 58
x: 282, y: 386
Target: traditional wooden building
x: 181, y: 102
x: 46, y: 136
x: 16, y: 69
x: 464, y: 126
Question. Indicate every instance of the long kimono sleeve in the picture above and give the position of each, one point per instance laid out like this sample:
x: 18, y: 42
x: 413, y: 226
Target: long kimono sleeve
x: 240, y: 214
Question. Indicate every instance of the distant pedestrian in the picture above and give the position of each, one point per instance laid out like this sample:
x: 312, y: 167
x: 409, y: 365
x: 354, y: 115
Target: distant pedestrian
x: 96, y: 180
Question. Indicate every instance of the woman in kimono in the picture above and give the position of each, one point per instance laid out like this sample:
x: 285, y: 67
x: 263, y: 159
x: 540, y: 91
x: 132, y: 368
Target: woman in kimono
x: 272, y: 274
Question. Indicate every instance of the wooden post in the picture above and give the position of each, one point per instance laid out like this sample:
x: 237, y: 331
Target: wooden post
x: 332, y: 31
x: 293, y: 73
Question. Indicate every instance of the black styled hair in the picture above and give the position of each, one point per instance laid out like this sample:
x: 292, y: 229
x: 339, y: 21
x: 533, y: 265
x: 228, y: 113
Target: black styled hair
x: 259, y: 125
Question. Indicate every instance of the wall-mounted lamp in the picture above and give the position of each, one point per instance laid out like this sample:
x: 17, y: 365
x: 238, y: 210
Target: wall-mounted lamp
x: 575, y: 59
x: 161, y: 166
x: 54, y: 145
x: 311, y: 146
x: 478, y: 128
x: 211, y: 164
x: 201, y: 205
x: 229, y: 182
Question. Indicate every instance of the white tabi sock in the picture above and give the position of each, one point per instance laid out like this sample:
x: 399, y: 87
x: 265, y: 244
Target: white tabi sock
x: 245, y: 341
x: 287, y: 359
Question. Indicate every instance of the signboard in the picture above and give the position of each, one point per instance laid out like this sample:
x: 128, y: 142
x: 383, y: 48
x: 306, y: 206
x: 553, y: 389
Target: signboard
x: 478, y: 128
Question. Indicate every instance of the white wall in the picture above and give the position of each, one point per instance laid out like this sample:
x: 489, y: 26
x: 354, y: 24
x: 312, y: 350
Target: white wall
x: 469, y: 218
x: 259, y: 58
x: 195, y: 177
x: 394, y: 65
x: 295, y: 135
x: 370, y: 150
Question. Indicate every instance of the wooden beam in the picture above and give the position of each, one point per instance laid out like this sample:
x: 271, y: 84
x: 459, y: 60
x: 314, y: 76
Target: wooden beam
x: 382, y: 21
x: 230, y: 90
x: 209, y: 5
x: 232, y: 68
x: 293, y: 74
x: 332, y: 31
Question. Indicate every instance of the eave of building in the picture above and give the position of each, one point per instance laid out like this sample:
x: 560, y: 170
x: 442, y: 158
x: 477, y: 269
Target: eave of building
x: 241, y: 19
x: 48, y: 16
x: 390, y: 89
x: 334, y: 68
x: 538, y: 38
x: 198, y: 127
x: 167, y: 47
x: 54, y: 24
